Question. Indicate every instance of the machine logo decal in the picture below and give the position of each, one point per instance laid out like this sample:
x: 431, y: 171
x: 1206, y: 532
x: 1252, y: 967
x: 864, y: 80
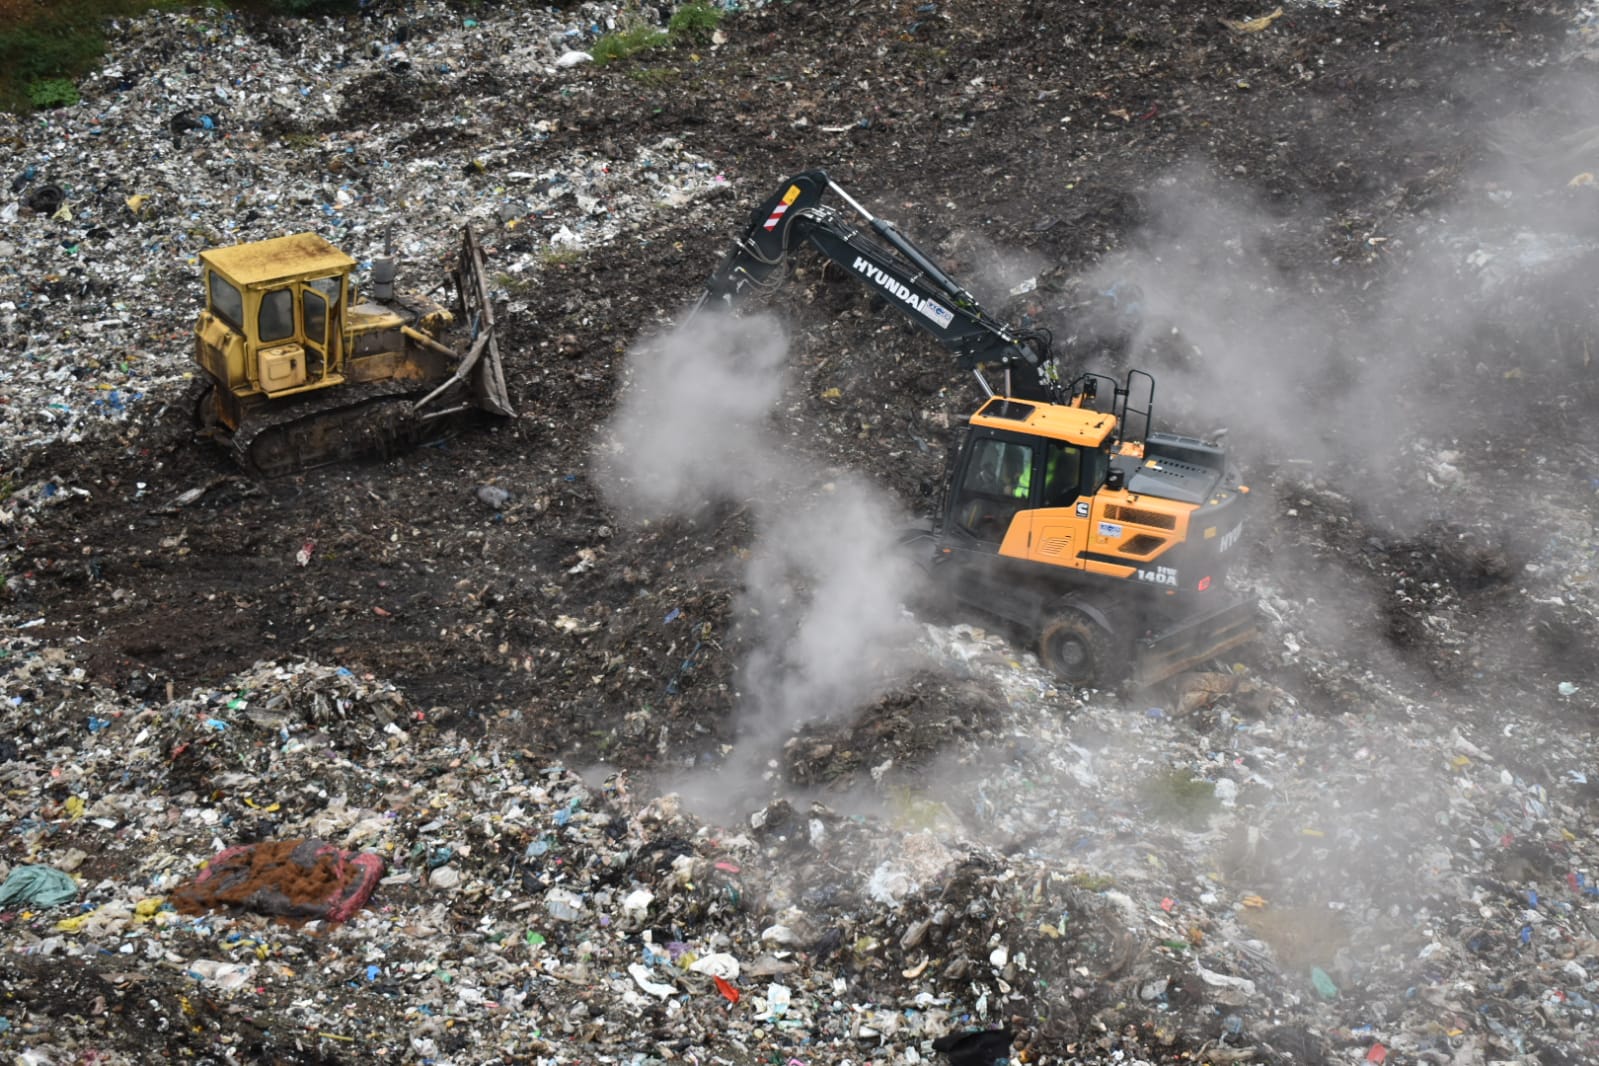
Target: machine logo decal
x: 1082, y: 508
x: 1161, y: 575
x: 929, y: 307
x: 1230, y: 538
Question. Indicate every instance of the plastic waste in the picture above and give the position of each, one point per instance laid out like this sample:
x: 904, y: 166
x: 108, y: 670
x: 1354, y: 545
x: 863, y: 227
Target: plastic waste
x: 38, y: 886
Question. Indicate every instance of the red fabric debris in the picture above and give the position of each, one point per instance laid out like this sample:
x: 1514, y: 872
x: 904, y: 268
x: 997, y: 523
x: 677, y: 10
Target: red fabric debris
x: 301, y: 880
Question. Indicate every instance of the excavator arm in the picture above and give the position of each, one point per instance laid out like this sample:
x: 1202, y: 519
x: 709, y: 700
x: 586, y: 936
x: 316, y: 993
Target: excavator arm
x: 885, y: 261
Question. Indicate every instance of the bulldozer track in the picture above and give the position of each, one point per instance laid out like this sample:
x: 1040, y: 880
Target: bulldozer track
x: 345, y: 423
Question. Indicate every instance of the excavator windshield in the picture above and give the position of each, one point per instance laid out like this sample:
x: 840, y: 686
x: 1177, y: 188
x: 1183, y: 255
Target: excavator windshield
x: 1002, y: 475
x: 996, y: 483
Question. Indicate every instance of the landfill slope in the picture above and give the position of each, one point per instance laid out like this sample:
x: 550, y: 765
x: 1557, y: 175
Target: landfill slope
x: 660, y: 762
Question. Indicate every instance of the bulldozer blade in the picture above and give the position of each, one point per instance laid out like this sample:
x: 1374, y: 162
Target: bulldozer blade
x: 485, y: 372
x: 1190, y: 642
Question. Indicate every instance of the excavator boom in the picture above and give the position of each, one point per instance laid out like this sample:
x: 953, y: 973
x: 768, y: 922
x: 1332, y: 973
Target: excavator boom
x: 887, y: 262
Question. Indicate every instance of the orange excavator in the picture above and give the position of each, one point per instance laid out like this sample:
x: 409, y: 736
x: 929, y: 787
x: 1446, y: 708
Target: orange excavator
x: 1064, y: 512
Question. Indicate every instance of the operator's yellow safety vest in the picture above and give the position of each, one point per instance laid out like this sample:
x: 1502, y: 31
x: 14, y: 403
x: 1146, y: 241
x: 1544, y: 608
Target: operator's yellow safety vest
x: 1024, y: 483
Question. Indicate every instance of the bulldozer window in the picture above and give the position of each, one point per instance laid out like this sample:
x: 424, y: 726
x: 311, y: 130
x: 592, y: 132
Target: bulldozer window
x: 226, y: 301
x: 276, y: 321
x: 314, y: 311
x: 332, y: 288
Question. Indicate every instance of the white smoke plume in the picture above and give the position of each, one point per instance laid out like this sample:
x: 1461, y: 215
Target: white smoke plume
x: 690, y: 429
x: 819, y: 613
x: 821, y: 604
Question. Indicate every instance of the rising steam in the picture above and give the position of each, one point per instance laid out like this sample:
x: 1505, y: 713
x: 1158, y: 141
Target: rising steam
x: 691, y: 429
x: 820, y: 608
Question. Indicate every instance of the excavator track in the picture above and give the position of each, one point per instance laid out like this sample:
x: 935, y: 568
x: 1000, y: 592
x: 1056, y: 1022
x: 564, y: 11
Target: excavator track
x: 373, y: 419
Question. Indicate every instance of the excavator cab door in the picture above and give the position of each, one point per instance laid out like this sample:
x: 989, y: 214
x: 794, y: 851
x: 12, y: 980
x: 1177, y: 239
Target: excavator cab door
x: 994, y: 483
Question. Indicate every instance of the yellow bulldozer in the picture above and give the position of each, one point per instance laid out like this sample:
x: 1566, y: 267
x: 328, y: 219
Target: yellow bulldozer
x: 299, y: 369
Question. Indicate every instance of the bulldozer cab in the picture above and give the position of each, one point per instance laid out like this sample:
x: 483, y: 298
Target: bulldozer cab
x: 274, y: 315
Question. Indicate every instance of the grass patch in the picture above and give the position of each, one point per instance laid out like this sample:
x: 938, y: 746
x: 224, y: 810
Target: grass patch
x: 919, y: 813
x: 621, y: 45
x: 46, y: 48
x: 655, y: 77
x: 52, y: 92
x: 553, y: 256
x: 1092, y: 882
x: 517, y: 284
x: 694, y: 23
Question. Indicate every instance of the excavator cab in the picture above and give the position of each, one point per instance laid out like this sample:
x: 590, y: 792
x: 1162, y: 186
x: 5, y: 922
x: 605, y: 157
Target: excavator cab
x: 1114, y: 550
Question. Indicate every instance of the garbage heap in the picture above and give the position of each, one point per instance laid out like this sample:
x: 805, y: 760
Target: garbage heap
x: 1221, y: 876
x: 205, y: 129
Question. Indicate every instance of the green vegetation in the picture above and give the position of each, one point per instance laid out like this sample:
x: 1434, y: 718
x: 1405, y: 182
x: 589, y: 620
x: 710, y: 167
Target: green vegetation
x: 46, y: 48
x: 52, y: 92
x: 1177, y: 796
x: 691, y: 24
x: 625, y: 43
x: 655, y: 77
x: 1092, y: 882
x: 694, y: 22
x: 560, y: 257
x: 918, y: 812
